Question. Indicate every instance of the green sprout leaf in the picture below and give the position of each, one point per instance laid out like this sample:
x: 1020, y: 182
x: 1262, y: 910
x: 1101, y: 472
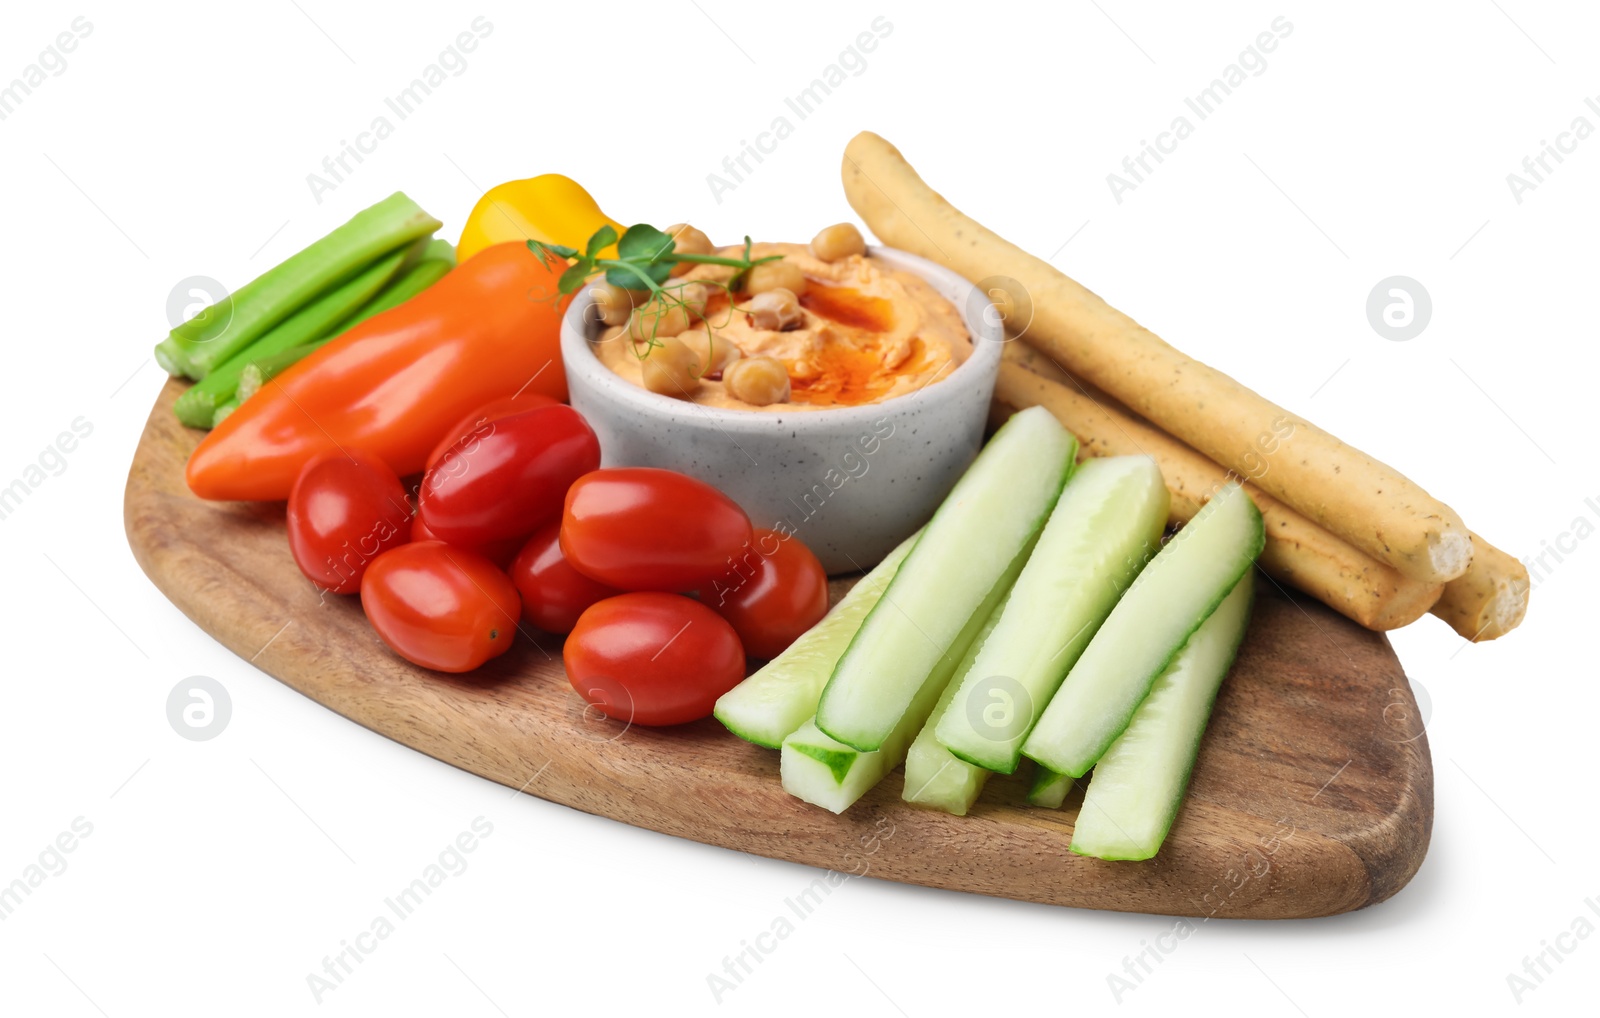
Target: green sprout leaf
x: 572, y: 279
x: 645, y: 257
x: 645, y: 243
x: 603, y: 237
x: 548, y: 251
x: 631, y: 275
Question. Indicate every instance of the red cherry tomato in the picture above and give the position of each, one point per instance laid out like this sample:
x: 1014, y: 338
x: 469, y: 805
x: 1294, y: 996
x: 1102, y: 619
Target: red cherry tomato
x: 652, y: 658
x: 553, y: 593
x: 773, y: 593
x: 639, y: 528
x: 527, y: 399
x: 499, y: 552
x: 440, y: 607
x: 508, y: 477
x: 345, y: 510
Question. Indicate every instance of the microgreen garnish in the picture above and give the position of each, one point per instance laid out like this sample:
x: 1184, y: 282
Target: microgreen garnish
x: 644, y: 261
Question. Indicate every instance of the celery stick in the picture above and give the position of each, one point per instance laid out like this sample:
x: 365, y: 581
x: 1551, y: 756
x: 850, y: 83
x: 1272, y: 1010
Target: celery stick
x: 259, y: 372
x: 199, y: 403
x: 222, y: 412
x: 437, y: 258
x: 436, y: 261
x: 198, y: 346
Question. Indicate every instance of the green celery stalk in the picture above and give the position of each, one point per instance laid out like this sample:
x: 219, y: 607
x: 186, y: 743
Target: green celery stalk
x: 197, y: 406
x: 437, y: 259
x: 210, y: 338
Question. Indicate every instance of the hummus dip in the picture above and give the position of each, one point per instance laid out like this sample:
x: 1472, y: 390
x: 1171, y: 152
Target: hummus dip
x: 870, y: 333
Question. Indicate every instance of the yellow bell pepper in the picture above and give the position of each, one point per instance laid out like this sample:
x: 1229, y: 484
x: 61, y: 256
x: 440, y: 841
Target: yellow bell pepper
x: 549, y: 208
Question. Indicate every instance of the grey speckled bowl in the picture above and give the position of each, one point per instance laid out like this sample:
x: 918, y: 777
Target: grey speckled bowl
x: 850, y: 482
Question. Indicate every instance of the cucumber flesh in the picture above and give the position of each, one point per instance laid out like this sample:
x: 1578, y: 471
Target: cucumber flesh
x: 1139, y: 783
x: 827, y: 773
x: 1175, y: 593
x: 935, y: 776
x: 994, y: 511
x: 782, y: 694
x: 1049, y: 788
x: 1104, y: 528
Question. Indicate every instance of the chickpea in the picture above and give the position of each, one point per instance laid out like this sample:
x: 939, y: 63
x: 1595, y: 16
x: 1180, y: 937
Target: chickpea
x: 712, y: 353
x: 670, y: 368
x: 759, y: 381
x: 687, y: 240
x: 612, y: 303
x: 776, y: 311
x: 774, y: 275
x: 841, y: 240
x: 657, y: 321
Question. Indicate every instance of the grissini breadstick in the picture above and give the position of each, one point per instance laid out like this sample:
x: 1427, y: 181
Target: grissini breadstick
x: 1485, y: 603
x: 1297, y: 551
x: 1490, y: 599
x: 1360, y: 499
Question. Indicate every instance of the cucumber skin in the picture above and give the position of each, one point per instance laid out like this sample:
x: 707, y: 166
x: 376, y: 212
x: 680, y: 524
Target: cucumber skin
x: 771, y: 736
x: 1069, y: 465
x: 836, y: 761
x: 1194, y: 754
x: 1257, y: 541
x: 1003, y: 756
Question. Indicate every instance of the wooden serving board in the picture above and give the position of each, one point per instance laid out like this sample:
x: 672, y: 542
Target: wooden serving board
x: 1313, y: 793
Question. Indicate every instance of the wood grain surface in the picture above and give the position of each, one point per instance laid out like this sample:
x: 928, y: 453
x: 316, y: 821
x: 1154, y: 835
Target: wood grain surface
x: 1313, y: 793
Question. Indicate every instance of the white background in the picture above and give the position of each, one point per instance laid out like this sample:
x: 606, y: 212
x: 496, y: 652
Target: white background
x: 1376, y: 142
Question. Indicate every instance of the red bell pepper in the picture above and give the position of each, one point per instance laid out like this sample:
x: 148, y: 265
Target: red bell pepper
x: 395, y: 384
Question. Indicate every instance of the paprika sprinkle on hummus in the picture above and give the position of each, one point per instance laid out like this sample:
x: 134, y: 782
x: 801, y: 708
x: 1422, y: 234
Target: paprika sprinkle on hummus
x: 835, y: 330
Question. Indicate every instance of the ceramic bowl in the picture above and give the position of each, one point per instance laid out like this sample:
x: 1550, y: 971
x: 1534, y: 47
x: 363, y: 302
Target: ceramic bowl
x: 850, y: 482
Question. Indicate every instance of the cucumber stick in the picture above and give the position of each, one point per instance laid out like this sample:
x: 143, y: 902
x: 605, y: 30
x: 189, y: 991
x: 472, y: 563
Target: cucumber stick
x: 992, y: 513
x: 1168, y: 601
x: 1139, y: 782
x: 830, y: 774
x: 782, y: 695
x: 1049, y: 788
x: 935, y: 776
x: 1104, y: 528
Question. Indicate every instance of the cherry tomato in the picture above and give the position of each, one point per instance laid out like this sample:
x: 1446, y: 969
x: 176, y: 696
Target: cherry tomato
x: 440, y: 607
x: 553, y: 593
x: 639, y: 528
x: 508, y: 477
x: 499, y: 552
x: 420, y: 531
x: 652, y: 658
x: 527, y: 399
x: 773, y: 593
x: 345, y: 510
